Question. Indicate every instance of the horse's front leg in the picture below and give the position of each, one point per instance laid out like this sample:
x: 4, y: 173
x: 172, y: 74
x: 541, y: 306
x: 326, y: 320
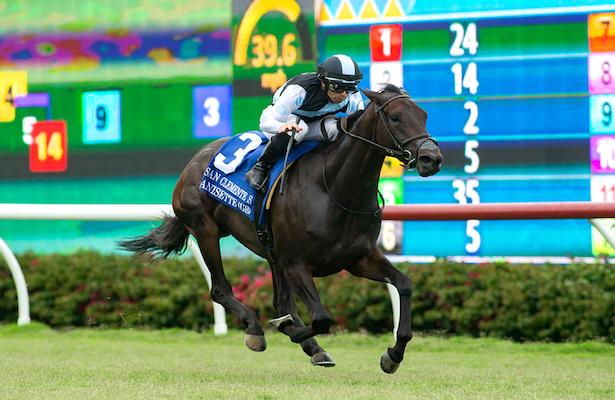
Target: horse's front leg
x: 301, y: 282
x: 284, y: 305
x: 376, y: 267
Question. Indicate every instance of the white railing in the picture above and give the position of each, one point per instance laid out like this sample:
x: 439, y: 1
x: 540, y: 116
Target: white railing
x: 91, y: 212
x: 148, y: 212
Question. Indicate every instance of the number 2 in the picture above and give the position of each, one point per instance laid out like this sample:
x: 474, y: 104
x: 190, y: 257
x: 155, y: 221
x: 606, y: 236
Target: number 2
x: 470, y: 127
x: 387, y: 76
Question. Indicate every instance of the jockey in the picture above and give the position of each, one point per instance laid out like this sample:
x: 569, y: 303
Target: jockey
x: 302, y: 103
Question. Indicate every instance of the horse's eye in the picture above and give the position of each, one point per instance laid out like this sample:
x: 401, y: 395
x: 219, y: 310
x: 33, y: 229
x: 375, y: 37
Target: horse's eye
x: 395, y: 118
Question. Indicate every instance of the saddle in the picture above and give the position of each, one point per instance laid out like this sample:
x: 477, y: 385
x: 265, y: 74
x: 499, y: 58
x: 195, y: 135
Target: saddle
x: 224, y: 178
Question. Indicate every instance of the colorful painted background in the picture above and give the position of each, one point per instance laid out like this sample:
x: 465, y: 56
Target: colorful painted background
x: 150, y: 57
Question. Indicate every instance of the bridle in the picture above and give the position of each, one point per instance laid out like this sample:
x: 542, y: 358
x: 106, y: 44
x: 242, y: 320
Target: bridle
x: 403, y: 155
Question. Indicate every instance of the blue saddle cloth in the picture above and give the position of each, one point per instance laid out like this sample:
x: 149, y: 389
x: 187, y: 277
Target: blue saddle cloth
x: 224, y: 179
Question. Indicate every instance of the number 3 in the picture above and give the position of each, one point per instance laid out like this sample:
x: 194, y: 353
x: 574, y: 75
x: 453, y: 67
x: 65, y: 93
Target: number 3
x: 252, y: 141
x: 212, y: 105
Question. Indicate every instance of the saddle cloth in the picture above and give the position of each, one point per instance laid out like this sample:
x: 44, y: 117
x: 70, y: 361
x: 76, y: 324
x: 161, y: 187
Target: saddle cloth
x: 224, y: 178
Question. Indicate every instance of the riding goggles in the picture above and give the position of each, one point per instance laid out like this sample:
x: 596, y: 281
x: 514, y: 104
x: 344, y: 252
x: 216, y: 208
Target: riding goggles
x: 341, y: 87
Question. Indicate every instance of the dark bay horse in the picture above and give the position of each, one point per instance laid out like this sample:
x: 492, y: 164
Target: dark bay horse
x: 327, y: 220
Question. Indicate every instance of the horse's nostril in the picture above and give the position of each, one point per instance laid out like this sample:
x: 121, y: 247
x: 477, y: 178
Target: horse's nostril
x: 427, y: 161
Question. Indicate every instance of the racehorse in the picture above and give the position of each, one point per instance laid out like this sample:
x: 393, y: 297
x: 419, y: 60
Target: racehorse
x: 327, y: 220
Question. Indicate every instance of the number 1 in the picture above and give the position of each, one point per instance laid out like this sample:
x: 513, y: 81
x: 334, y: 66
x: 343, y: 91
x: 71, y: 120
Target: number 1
x: 385, y: 38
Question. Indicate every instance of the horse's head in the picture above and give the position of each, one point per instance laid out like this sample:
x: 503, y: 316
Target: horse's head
x: 402, y: 130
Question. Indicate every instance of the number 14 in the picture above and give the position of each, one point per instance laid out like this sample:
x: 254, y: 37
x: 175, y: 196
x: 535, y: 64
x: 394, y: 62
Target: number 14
x: 52, y: 147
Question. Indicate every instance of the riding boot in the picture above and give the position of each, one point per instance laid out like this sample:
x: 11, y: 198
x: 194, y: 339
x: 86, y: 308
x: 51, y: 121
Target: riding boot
x: 257, y: 175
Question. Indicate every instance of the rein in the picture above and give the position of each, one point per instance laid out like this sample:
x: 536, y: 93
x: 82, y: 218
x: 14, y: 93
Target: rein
x: 403, y: 155
x: 375, y: 212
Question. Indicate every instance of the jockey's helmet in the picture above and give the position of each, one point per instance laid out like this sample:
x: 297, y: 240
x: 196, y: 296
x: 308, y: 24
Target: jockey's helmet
x: 340, y: 73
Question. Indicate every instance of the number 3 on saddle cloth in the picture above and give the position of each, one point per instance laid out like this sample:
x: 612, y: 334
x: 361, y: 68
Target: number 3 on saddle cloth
x: 224, y: 178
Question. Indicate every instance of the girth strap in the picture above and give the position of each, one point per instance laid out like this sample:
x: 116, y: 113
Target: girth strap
x: 263, y: 231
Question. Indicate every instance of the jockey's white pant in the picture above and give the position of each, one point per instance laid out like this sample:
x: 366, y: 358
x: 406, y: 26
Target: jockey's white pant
x: 312, y: 130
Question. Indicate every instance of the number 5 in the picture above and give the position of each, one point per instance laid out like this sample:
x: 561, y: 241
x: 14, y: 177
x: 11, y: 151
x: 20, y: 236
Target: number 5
x: 472, y: 155
x: 474, y: 235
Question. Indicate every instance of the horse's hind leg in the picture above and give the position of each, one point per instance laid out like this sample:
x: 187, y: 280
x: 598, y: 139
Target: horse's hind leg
x: 284, y: 305
x: 221, y: 291
x: 376, y: 267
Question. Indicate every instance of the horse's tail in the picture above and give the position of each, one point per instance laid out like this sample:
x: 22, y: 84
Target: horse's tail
x: 170, y: 237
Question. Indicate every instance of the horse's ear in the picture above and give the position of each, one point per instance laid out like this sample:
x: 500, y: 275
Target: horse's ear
x: 373, y: 96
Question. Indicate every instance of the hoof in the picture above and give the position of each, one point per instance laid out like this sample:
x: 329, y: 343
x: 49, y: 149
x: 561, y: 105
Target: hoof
x: 255, y: 342
x: 387, y: 364
x: 322, y: 359
x: 279, y: 322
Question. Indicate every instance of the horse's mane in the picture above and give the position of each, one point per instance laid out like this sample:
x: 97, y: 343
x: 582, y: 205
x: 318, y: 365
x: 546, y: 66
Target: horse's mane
x: 389, y: 87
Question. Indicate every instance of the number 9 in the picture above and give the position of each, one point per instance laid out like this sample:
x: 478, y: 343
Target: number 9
x: 607, y: 114
x: 101, y: 117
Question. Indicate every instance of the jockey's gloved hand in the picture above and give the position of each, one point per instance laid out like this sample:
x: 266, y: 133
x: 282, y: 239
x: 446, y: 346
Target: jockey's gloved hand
x: 289, y: 127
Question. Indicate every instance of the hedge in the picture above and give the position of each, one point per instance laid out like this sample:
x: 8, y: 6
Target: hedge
x: 523, y: 302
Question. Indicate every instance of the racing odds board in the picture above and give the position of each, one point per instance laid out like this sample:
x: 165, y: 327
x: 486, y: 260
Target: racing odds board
x: 520, y: 95
x: 272, y: 41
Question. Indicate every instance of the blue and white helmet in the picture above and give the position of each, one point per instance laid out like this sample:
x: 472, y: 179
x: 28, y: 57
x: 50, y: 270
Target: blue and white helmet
x: 340, y: 71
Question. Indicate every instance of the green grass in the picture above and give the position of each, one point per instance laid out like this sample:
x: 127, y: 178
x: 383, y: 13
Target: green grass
x: 39, y: 363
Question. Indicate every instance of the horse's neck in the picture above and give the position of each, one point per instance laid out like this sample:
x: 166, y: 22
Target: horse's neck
x: 355, y: 167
